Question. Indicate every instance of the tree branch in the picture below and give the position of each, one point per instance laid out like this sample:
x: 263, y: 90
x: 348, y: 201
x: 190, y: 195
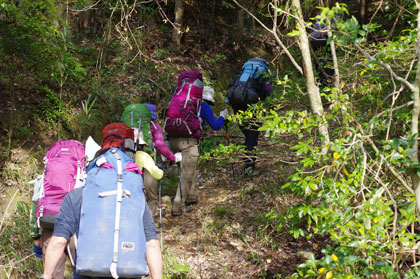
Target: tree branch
x: 387, y: 67
x: 274, y: 33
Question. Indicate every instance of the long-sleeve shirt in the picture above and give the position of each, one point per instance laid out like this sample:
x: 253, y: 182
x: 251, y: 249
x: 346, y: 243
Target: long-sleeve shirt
x: 264, y: 86
x: 159, y: 142
x: 206, y: 114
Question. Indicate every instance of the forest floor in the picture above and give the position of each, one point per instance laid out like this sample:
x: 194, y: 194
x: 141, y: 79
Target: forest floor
x: 227, y: 234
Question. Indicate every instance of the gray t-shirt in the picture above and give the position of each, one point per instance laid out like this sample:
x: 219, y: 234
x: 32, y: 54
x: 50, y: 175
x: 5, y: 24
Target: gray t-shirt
x: 68, y: 218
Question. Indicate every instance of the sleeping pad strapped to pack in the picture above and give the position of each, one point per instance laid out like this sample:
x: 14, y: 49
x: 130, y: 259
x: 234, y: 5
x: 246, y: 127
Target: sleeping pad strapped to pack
x: 111, y: 240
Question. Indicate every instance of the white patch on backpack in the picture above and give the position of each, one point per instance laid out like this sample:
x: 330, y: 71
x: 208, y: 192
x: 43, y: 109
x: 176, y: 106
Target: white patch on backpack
x: 127, y: 246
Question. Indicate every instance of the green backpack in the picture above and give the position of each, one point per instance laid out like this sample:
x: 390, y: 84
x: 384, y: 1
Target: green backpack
x: 139, y: 116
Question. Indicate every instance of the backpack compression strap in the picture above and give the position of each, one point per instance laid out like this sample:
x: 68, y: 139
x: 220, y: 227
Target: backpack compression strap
x: 113, y: 267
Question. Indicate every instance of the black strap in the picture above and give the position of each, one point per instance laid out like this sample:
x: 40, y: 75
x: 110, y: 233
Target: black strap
x: 122, y: 145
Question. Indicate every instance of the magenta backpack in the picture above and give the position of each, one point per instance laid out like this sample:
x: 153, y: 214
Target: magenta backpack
x: 64, y: 164
x: 183, y: 118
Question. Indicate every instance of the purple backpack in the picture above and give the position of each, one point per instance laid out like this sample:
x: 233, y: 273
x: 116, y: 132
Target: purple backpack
x: 183, y: 118
x: 64, y: 164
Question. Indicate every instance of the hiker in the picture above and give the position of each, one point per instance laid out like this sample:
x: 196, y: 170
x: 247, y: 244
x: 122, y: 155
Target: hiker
x: 89, y: 215
x: 318, y: 39
x: 247, y: 88
x: 149, y: 140
x: 64, y: 163
x: 186, y: 114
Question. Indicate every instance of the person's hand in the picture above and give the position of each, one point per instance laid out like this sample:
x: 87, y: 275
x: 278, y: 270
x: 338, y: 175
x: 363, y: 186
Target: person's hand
x: 178, y: 157
x: 163, y: 158
x: 38, y: 242
x: 224, y: 113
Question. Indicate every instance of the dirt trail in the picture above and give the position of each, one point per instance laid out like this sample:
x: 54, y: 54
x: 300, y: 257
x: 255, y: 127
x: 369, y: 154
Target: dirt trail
x: 226, y: 236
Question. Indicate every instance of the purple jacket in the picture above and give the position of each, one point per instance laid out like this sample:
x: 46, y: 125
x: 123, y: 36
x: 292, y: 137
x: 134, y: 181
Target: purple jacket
x: 159, y: 142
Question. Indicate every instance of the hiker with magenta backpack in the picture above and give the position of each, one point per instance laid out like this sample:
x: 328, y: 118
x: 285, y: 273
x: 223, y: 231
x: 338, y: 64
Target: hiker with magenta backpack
x: 63, y: 171
x: 186, y: 114
x: 245, y: 89
x: 148, y: 139
x: 115, y: 232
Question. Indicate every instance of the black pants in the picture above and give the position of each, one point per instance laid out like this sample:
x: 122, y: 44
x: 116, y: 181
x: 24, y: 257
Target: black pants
x: 251, y: 134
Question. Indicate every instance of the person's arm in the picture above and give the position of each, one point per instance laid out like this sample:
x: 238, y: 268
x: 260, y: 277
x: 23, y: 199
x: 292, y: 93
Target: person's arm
x: 153, y: 253
x: 55, y: 249
x: 207, y: 114
x: 267, y: 88
x: 65, y: 226
x: 154, y: 258
x: 159, y: 142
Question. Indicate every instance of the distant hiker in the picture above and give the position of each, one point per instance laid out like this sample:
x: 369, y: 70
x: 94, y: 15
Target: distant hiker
x: 318, y: 38
x: 186, y: 113
x: 116, y: 235
x: 148, y: 138
x: 247, y: 88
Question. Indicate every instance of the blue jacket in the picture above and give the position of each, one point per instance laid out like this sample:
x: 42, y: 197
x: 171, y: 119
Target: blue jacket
x: 206, y: 114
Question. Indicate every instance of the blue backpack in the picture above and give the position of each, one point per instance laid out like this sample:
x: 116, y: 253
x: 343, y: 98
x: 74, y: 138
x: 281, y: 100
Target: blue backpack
x: 111, y: 240
x: 245, y: 88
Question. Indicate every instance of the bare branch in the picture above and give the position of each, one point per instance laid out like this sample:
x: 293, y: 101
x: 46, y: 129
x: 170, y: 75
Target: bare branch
x: 274, y: 33
x: 387, y: 67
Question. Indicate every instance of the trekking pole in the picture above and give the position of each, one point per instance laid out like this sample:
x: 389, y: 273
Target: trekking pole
x: 183, y: 231
x: 228, y: 141
x: 159, y: 204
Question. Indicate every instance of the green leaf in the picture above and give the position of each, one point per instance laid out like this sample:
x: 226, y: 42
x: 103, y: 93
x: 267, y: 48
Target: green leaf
x: 182, y: 268
x: 294, y: 33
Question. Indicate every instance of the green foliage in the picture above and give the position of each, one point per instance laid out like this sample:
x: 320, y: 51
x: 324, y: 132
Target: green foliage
x: 214, y: 59
x: 364, y: 215
x: 53, y: 109
x: 17, y: 258
x: 173, y: 269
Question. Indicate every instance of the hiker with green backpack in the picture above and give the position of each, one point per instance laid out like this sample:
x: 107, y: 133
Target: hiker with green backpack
x: 148, y: 139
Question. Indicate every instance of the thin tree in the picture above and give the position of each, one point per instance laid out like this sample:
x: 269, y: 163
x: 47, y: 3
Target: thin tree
x: 311, y: 86
x: 179, y: 17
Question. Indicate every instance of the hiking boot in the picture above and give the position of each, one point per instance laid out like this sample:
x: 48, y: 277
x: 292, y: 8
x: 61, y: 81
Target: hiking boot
x: 178, y: 212
x: 251, y: 171
x: 191, y: 201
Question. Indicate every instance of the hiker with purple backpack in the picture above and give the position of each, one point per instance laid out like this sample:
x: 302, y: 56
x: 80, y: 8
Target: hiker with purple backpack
x: 188, y: 110
x: 109, y: 217
x: 63, y: 170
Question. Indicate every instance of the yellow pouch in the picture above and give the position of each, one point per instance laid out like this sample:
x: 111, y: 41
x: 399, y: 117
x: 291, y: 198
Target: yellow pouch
x: 145, y: 161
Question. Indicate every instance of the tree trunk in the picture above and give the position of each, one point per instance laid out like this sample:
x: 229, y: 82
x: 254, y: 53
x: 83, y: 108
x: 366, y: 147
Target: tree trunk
x: 179, y: 15
x: 313, y: 90
x: 415, y: 117
x: 362, y: 11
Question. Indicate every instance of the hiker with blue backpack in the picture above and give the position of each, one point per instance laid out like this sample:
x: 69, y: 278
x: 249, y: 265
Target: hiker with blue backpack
x: 246, y: 89
x: 188, y: 110
x: 115, y: 232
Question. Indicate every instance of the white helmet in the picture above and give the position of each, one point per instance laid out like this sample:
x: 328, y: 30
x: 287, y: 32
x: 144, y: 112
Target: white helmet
x: 208, y: 94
